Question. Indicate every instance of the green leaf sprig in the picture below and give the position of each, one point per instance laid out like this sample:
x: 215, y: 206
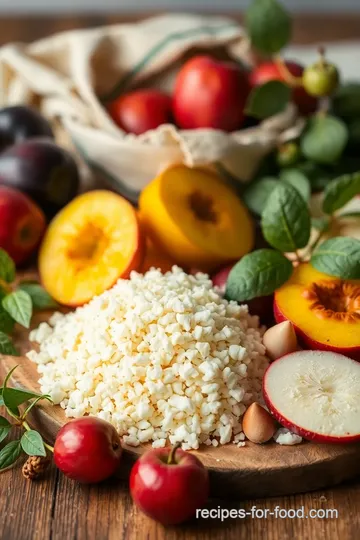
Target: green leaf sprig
x: 286, y: 225
x: 31, y: 442
x: 17, y: 303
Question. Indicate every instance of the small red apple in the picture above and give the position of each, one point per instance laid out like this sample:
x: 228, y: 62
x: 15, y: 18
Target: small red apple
x: 271, y: 71
x: 141, y: 110
x: 87, y: 450
x: 210, y: 94
x: 22, y: 224
x: 169, y: 485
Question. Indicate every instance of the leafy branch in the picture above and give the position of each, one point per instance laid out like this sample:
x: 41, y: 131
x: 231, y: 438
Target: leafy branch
x: 286, y: 225
x: 31, y: 442
x: 17, y: 303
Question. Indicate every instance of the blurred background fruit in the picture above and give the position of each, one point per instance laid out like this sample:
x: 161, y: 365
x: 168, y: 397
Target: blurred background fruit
x: 22, y: 224
x: 141, y: 110
x: 43, y: 170
x: 210, y: 94
x: 19, y: 123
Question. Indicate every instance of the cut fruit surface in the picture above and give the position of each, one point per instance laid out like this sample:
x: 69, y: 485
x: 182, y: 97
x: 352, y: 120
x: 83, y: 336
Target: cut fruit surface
x: 325, y: 311
x: 315, y: 394
x: 196, y: 218
x: 89, y: 245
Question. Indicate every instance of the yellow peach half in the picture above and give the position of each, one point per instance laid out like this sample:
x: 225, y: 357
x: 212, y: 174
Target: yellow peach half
x: 324, y: 310
x: 196, y: 218
x: 89, y: 245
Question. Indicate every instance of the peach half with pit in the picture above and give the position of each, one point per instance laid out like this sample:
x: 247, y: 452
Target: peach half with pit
x: 324, y: 310
x: 196, y: 218
x: 94, y: 241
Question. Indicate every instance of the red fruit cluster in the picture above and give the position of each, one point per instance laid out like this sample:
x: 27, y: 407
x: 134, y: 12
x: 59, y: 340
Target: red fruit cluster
x: 208, y: 93
x: 166, y: 484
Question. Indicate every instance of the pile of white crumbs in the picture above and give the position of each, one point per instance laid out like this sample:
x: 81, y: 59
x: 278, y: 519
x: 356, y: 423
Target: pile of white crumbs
x: 163, y: 357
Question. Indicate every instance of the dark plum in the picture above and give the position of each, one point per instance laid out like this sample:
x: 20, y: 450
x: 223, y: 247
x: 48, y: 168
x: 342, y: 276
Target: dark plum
x: 19, y: 123
x: 43, y: 170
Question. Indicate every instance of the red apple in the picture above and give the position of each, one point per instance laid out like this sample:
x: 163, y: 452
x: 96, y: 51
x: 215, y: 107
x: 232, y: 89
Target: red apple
x: 210, y: 94
x: 315, y: 394
x: 271, y: 71
x: 22, y: 224
x: 168, y: 485
x: 141, y: 110
x: 87, y: 450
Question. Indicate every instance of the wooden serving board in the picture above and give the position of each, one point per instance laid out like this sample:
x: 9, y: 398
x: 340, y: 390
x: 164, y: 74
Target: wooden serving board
x: 247, y: 472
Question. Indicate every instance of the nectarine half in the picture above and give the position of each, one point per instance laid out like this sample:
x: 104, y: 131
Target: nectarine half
x: 89, y: 245
x: 196, y: 218
x: 324, y: 310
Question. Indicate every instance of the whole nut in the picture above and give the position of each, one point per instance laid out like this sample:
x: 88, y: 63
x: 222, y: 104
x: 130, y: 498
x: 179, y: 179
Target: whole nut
x: 258, y: 425
x: 280, y: 340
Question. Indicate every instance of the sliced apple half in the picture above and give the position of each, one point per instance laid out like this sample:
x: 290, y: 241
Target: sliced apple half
x: 315, y: 394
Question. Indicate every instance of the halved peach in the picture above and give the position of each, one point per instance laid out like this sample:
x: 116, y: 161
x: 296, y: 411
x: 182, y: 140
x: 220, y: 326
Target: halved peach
x: 89, y: 245
x: 196, y: 218
x: 325, y: 311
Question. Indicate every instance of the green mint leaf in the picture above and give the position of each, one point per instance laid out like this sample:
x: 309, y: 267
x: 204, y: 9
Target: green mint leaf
x: 6, y: 322
x: 340, y: 191
x: 339, y: 257
x: 321, y: 224
x: 40, y: 298
x: 268, y: 99
x: 257, y: 194
x: 9, y: 454
x: 285, y: 221
x: 7, y: 267
x: 32, y: 443
x: 14, y: 410
x: 13, y: 397
x: 268, y: 25
x: 324, y: 139
x: 257, y: 274
x: 6, y: 345
x: 298, y: 180
x: 346, y: 101
x: 19, y: 305
x: 5, y: 428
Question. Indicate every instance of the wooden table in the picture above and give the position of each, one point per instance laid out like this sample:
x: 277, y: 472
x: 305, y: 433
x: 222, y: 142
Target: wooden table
x: 58, y: 509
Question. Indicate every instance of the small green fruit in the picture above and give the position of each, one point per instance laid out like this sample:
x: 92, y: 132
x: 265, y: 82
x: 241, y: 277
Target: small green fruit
x: 320, y: 79
x: 288, y: 154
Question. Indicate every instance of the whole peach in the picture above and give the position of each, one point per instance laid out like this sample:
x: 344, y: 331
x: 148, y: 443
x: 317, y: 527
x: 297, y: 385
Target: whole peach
x: 22, y: 224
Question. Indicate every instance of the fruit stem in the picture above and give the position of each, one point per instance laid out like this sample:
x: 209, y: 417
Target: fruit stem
x: 322, y: 61
x: 171, y: 458
x: 288, y: 77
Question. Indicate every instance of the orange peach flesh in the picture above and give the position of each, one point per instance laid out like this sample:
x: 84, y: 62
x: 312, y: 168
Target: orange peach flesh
x: 325, y: 309
x: 91, y: 243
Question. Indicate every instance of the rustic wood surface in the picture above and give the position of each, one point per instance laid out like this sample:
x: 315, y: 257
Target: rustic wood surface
x: 254, y: 470
x: 58, y: 509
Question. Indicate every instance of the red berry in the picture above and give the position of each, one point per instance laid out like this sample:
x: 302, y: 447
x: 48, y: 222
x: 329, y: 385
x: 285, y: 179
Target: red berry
x: 87, y: 450
x: 169, y: 493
